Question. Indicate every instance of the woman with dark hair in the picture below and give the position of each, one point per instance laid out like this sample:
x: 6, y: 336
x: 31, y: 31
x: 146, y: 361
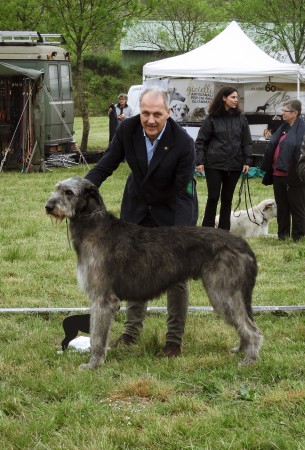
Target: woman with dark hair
x: 224, y: 150
x: 280, y: 162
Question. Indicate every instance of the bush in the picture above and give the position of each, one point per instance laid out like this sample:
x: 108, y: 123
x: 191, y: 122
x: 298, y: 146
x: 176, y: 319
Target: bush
x: 103, y: 65
x: 105, y: 79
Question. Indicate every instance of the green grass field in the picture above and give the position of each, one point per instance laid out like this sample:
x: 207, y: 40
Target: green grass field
x: 200, y: 401
x: 98, y: 135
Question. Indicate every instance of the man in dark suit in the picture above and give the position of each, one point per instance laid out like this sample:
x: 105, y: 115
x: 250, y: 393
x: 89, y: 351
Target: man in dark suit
x: 160, y: 190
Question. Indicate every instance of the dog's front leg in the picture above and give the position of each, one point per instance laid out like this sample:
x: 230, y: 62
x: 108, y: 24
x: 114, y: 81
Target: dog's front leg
x: 101, y: 315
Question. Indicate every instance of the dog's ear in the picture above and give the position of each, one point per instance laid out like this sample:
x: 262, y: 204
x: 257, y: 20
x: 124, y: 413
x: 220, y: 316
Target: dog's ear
x: 89, y: 199
x: 269, y: 206
x: 94, y: 200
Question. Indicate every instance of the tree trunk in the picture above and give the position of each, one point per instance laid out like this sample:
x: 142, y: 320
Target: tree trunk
x: 83, y: 106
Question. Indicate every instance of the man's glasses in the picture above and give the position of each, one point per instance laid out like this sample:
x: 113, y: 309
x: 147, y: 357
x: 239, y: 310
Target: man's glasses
x: 287, y: 110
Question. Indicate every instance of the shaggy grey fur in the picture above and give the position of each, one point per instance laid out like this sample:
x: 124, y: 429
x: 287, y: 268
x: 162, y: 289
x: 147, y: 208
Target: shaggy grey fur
x: 123, y: 261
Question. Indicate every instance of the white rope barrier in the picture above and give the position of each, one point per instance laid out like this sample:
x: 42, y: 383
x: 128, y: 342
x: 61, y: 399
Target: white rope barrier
x: 149, y: 309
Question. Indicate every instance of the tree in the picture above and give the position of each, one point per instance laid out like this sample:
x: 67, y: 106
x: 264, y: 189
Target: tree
x: 22, y: 15
x: 279, y: 26
x: 181, y: 26
x: 88, y: 25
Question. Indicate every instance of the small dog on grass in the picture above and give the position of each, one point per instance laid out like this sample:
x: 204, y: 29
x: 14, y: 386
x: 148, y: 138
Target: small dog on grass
x: 123, y: 261
x: 255, y: 221
x: 72, y: 325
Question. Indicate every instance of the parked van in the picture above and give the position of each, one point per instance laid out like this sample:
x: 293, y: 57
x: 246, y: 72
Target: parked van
x: 36, y: 99
x: 133, y: 98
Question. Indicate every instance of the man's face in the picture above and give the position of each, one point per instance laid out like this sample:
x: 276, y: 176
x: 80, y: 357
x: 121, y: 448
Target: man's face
x: 153, y: 114
x: 122, y: 102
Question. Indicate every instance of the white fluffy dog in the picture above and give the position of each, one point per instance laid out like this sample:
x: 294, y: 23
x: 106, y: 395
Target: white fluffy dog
x: 242, y: 226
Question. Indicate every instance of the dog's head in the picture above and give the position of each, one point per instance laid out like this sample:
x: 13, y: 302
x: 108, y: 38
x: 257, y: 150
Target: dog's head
x: 73, y: 197
x: 268, y: 208
x: 179, y: 110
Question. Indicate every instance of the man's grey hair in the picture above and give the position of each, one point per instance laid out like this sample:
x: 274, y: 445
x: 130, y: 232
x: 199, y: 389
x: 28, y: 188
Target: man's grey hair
x: 156, y: 91
x: 293, y: 105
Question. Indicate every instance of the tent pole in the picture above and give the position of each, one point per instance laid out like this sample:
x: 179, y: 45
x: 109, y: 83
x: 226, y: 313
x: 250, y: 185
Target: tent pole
x: 298, y: 87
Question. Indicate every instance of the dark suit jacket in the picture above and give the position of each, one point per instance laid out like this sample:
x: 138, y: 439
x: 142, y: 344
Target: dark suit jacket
x: 301, y: 163
x: 166, y: 188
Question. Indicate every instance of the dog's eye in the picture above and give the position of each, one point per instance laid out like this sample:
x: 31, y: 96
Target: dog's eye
x: 69, y: 192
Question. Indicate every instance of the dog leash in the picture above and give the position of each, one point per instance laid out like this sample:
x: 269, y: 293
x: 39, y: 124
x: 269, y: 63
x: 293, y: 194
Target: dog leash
x: 245, y: 182
x: 68, y: 234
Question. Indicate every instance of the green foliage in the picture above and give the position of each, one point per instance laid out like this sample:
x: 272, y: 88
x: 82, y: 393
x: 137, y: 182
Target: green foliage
x: 27, y: 15
x: 177, y: 26
x: 278, y: 28
x: 102, y: 65
x: 246, y: 393
x: 104, y: 80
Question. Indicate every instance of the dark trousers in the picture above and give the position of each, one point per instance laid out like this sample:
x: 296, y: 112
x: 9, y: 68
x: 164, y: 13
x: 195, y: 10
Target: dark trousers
x: 290, y: 201
x: 177, y: 305
x: 221, y: 184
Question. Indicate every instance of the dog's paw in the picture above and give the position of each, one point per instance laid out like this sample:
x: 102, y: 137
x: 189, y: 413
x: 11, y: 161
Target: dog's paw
x: 235, y: 350
x: 247, y: 362
x: 94, y: 363
x: 85, y: 366
x: 88, y: 366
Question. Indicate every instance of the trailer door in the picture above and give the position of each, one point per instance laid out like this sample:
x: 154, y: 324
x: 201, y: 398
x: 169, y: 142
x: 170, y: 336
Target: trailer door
x: 59, y: 117
x: 67, y: 100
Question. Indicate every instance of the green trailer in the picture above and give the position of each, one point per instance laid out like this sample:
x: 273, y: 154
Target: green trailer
x: 36, y: 100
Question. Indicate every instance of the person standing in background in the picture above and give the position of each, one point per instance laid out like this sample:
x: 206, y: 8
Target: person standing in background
x: 117, y: 113
x: 280, y: 161
x: 224, y: 150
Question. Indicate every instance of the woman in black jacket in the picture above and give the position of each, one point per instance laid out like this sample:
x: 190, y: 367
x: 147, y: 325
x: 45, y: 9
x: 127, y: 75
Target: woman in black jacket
x: 224, y: 150
x: 280, y: 162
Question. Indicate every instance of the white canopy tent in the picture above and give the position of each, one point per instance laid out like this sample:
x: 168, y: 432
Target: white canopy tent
x: 229, y: 57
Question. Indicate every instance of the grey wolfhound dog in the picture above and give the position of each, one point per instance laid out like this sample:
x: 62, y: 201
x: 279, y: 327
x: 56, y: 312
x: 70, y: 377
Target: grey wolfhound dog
x: 123, y: 261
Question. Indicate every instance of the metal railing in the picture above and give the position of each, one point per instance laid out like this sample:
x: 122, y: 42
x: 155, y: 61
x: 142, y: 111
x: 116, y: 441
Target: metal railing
x: 149, y: 309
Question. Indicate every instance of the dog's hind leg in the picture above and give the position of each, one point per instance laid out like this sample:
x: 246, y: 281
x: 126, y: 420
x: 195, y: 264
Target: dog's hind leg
x: 250, y: 338
x: 101, y: 316
x: 233, y: 309
x: 229, y: 284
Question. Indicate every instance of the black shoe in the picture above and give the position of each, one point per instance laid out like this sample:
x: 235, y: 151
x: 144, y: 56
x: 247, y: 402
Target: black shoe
x: 283, y: 237
x: 170, y: 350
x: 124, y: 339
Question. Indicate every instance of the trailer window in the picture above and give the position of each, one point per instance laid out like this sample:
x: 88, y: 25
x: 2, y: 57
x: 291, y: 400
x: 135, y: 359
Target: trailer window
x: 54, y: 81
x: 65, y: 82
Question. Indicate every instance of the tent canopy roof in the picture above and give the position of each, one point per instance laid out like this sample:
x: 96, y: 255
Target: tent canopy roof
x: 230, y: 56
x: 9, y: 70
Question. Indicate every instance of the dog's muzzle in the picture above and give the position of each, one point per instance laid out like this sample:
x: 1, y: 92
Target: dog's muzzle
x: 49, y: 208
